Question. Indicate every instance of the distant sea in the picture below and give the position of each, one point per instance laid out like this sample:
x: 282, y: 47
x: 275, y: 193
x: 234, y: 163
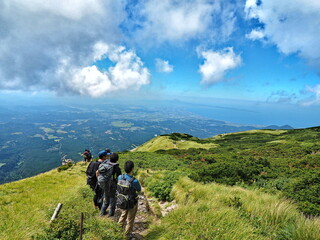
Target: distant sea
x: 260, y: 114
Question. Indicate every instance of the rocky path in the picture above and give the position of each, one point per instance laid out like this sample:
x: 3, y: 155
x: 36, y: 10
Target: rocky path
x: 143, y: 218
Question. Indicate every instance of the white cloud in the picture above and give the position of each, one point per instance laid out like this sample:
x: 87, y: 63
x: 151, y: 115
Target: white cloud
x: 217, y: 64
x: 179, y: 21
x: 163, y: 66
x: 315, y: 92
x: 292, y: 25
x: 255, y: 34
x: 51, y: 45
x: 128, y: 72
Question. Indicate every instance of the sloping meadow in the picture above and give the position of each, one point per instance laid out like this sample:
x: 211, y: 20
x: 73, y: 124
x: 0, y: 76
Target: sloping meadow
x: 213, y: 211
x: 26, y: 207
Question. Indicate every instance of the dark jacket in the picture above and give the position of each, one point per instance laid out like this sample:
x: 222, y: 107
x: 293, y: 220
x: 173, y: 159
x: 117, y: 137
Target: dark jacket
x: 91, y: 174
x: 116, y: 173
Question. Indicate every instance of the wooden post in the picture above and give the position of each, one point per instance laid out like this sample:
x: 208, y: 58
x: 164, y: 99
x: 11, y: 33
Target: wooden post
x: 81, y: 226
x: 56, y: 212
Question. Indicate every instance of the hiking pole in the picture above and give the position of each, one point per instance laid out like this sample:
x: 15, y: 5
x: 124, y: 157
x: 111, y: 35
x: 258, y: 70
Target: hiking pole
x: 81, y: 226
x: 56, y: 212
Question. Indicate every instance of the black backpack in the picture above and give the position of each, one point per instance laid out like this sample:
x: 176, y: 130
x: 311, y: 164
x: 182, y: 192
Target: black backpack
x: 126, y: 195
x: 91, y: 175
x: 105, y: 177
x: 88, y: 155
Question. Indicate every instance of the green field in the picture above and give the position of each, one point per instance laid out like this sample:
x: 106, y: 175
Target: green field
x: 121, y: 124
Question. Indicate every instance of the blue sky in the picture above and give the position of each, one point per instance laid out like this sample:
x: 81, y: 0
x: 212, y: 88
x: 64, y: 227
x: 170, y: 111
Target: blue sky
x: 247, y: 51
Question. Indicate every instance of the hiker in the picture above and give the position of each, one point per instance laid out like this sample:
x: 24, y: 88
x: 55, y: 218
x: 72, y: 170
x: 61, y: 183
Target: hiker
x: 129, y: 208
x: 108, y: 173
x: 87, y: 156
x: 108, y: 151
x: 92, y: 179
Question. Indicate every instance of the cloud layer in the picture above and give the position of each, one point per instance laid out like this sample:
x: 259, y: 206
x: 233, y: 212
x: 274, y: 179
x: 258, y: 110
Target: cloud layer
x: 293, y: 26
x: 217, y: 64
x: 49, y: 44
x: 180, y: 21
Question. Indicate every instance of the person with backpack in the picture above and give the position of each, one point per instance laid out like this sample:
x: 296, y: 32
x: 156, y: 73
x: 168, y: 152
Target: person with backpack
x: 87, y: 156
x: 108, y: 173
x: 92, y: 178
x: 127, y: 197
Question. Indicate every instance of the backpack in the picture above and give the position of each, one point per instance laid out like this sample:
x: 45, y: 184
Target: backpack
x: 88, y: 155
x: 105, y: 177
x: 126, y: 195
x: 91, y: 175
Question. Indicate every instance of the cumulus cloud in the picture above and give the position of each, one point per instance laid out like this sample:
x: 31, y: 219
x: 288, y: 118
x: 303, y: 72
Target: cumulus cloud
x: 163, y: 66
x: 127, y: 72
x: 293, y: 26
x: 51, y: 45
x: 217, y: 64
x: 179, y: 21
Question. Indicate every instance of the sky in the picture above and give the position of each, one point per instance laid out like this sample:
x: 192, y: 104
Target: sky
x: 259, y: 54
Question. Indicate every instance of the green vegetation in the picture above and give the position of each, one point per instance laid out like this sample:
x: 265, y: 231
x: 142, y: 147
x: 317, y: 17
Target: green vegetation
x: 174, y: 141
x: 160, y: 183
x: 47, y: 130
x: 65, y: 167
x: 26, y: 207
x: 121, y: 124
x: 215, y: 211
x: 153, y: 161
x: 275, y: 160
x: 247, y: 185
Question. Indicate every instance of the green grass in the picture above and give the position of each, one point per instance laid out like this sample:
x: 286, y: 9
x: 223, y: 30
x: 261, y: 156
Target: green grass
x: 164, y: 142
x: 281, y: 162
x: 215, y: 211
x: 26, y: 206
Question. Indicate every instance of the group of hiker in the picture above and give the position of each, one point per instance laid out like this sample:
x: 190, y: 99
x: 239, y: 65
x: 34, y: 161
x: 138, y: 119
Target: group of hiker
x: 114, y: 189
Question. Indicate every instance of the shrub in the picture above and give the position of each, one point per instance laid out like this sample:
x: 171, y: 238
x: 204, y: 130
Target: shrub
x: 60, y: 228
x: 306, y: 192
x: 65, y: 167
x: 160, y: 184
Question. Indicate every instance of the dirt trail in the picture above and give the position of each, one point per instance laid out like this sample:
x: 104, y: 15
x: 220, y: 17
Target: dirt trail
x: 143, y: 218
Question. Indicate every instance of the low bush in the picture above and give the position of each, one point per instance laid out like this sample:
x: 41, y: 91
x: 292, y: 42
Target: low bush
x: 160, y: 184
x: 65, y: 167
x: 305, y: 191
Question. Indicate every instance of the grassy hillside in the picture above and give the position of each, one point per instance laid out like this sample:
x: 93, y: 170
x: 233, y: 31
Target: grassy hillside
x: 26, y: 207
x: 276, y: 160
x: 247, y: 185
x: 215, y: 211
x: 173, y: 141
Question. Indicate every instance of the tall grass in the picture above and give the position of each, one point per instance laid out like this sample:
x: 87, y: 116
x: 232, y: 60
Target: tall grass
x: 26, y: 206
x: 215, y: 211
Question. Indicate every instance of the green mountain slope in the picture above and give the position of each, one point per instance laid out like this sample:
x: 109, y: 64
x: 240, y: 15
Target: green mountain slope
x: 173, y: 141
x: 262, y: 168
x: 26, y: 207
x: 214, y: 211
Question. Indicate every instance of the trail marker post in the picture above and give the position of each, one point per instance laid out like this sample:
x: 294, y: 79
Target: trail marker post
x: 56, y: 212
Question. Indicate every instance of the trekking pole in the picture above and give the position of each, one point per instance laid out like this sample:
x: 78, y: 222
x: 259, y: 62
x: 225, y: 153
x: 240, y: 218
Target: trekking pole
x: 81, y: 226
